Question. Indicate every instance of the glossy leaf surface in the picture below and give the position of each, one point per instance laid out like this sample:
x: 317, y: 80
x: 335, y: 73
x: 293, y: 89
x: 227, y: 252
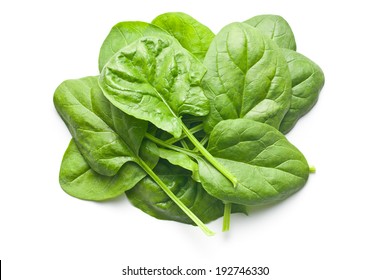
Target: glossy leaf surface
x: 157, y: 80
x: 192, y: 35
x: 148, y: 197
x: 275, y: 28
x: 307, y: 82
x: 267, y: 166
x: 105, y: 136
x: 123, y: 34
x: 79, y: 180
x: 247, y: 77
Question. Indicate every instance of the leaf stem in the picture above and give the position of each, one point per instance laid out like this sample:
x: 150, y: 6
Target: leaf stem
x: 312, y: 169
x: 184, y: 144
x: 169, y: 146
x: 226, y: 216
x: 202, y: 142
x: 193, y: 130
x: 178, y: 202
x: 208, y: 156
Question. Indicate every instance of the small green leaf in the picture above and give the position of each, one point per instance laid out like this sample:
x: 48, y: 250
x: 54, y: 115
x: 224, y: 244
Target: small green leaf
x: 181, y: 160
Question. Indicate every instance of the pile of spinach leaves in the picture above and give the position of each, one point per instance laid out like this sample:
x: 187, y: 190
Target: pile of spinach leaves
x: 188, y: 124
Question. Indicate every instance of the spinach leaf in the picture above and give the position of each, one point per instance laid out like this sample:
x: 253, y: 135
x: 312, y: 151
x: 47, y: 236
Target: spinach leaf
x: 123, y: 34
x: 157, y: 80
x: 148, y: 197
x: 191, y: 34
x: 307, y: 82
x: 267, y: 166
x: 276, y: 28
x: 106, y: 137
x: 182, y: 160
x: 247, y: 77
x: 168, y: 89
x: 79, y: 180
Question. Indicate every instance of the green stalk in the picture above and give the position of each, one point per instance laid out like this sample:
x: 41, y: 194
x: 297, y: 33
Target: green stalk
x: 200, y: 148
x: 184, y: 144
x: 312, y: 169
x: 178, y: 202
x: 202, y: 142
x: 226, y: 216
x: 169, y: 146
x: 193, y: 130
x: 208, y: 156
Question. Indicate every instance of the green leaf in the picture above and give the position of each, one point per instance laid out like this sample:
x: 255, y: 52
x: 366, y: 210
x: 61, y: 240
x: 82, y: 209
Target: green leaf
x: 275, y: 28
x: 148, y: 197
x: 268, y: 167
x: 105, y: 136
x: 79, y: 180
x: 192, y: 35
x: 123, y: 34
x: 247, y: 77
x: 181, y: 160
x: 307, y: 82
x: 157, y: 80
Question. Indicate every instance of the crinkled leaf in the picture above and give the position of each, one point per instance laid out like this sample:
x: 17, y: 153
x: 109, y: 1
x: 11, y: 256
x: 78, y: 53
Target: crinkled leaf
x: 192, y: 35
x: 157, y: 80
x: 106, y: 137
x: 276, y: 28
x: 247, y: 77
x: 123, y: 34
x: 307, y: 82
x: 267, y: 166
x: 79, y: 180
x: 148, y: 197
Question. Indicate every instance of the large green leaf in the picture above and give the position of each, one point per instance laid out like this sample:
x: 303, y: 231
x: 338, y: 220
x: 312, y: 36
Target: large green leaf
x: 307, y: 82
x: 157, y: 80
x: 123, y: 34
x: 192, y: 35
x: 79, y: 180
x: 105, y: 136
x: 148, y: 197
x: 247, y: 77
x: 268, y: 168
x: 276, y: 28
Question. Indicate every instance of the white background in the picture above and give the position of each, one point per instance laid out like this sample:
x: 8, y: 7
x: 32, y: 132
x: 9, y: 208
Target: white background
x: 337, y: 227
